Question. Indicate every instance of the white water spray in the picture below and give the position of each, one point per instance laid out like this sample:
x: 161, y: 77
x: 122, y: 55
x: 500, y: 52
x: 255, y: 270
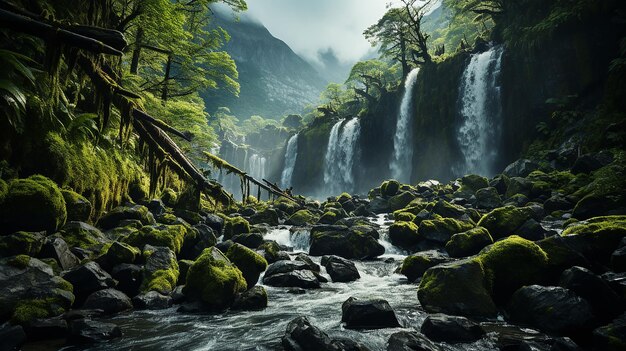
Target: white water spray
x: 291, y: 153
x: 341, y: 153
x: 401, y: 162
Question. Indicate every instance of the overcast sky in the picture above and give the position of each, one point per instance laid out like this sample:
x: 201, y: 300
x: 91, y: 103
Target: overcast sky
x: 309, y: 26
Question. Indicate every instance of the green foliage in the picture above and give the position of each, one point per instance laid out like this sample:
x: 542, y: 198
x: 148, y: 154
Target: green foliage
x: 32, y: 204
x: 13, y: 97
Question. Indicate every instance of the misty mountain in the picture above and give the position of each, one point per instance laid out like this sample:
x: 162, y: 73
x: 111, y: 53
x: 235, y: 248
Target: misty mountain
x: 274, y: 80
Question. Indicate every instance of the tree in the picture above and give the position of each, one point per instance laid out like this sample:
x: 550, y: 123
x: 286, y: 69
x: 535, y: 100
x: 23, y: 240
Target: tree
x: 372, y: 78
x: 292, y: 122
x: 399, y: 35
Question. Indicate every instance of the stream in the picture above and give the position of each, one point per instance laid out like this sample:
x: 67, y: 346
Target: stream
x: 263, y: 330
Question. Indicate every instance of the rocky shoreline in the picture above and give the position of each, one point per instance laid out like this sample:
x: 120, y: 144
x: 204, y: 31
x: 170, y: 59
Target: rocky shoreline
x: 533, y: 247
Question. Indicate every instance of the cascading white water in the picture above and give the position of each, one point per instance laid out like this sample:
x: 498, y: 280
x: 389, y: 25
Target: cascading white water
x: 481, y: 112
x: 400, y: 165
x: 256, y: 166
x: 341, y: 153
x: 291, y: 153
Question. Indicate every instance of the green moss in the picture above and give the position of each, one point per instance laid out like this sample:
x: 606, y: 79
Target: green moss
x: 32, y: 204
x: 404, y: 234
x: 344, y: 197
x: 503, y: 221
x: 163, y: 280
x: 400, y: 200
x: 119, y: 252
x: 415, y: 207
x: 403, y: 216
x: 598, y: 225
x: 4, y: 187
x: 328, y: 217
x: 332, y: 204
x: 213, y: 280
x: 468, y: 243
x: 21, y: 243
x: 77, y: 234
x: 473, y: 182
x: 389, y: 188
x: 78, y: 207
x: 235, y: 226
x: 29, y: 310
x: 302, y: 217
x: 250, y: 263
x: 169, y: 197
x: 19, y: 261
x: 512, y: 263
x: 171, y: 236
x: 441, y: 230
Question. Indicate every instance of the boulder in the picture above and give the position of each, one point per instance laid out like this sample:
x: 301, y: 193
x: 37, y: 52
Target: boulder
x: 302, y: 336
x: 404, y: 235
x: 410, y: 341
x: 488, y: 198
x: 215, y: 222
x: 46, y: 328
x: 83, y: 235
x: 504, y: 221
x: 521, y: 168
x: 30, y: 290
x: 378, y: 205
x: 108, y: 300
x: 368, y: 314
x: 468, y: 243
x: 400, y: 200
x: 214, y: 280
x: 119, y: 253
x: 56, y: 248
x: 341, y: 241
x: 519, y: 186
x: 557, y: 202
x: 340, y: 269
x: 474, y: 182
x: 512, y: 263
x: 596, y: 238
x: 268, y: 216
x: 414, y: 266
x: 588, y: 163
x: 120, y: 213
x: 170, y: 236
x: 235, y: 226
x: 87, y: 279
x: 152, y: 300
x: 441, y: 230
x: 129, y: 278
x: 85, y: 331
x: 250, y: 263
x: 194, y: 245
x: 448, y: 210
x: 21, y: 243
x: 451, y: 329
x: 156, y: 206
x: 302, y: 218
x: 160, y: 273
x: 618, y: 260
x: 605, y: 302
x: 551, y: 309
x: 296, y: 279
x: 252, y: 299
x: 250, y: 240
x: 457, y: 288
x: 312, y: 266
x: 611, y: 337
x: 389, y: 188
x: 33, y: 204
x: 12, y: 336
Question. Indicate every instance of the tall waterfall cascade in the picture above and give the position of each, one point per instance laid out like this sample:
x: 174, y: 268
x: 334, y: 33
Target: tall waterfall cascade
x: 481, y: 113
x: 257, y: 166
x: 401, y: 161
x: 291, y: 153
x: 341, y: 154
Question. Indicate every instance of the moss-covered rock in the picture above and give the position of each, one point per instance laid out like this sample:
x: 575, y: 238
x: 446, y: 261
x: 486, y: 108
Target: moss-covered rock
x: 389, y: 188
x: 32, y: 204
x: 404, y: 234
x: 474, y: 182
x: 441, y: 230
x: 286, y: 205
x: 596, y: 238
x: 446, y: 209
x: 414, y: 266
x: 503, y: 221
x: 512, y: 263
x: 77, y: 206
x: 250, y: 263
x: 605, y: 193
x: 21, y: 243
x: 214, y: 280
x: 113, y: 218
x: 400, y: 200
x: 235, y: 226
x: 170, y: 236
x: 169, y: 197
x: 458, y: 288
x: 344, y: 197
x: 468, y: 243
x: 120, y: 252
x: 403, y: 216
x: 301, y: 218
x: 344, y: 242
x: 518, y: 185
x: 160, y: 273
x: 332, y: 215
x: 267, y: 216
x: 599, y: 226
x: 83, y: 235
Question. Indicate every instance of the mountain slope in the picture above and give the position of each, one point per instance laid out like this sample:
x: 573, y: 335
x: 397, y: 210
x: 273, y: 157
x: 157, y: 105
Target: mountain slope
x: 274, y: 80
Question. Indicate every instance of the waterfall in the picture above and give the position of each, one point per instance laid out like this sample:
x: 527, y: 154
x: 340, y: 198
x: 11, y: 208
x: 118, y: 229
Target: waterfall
x: 291, y: 153
x: 400, y: 165
x: 256, y: 166
x: 341, y: 153
x: 480, y: 112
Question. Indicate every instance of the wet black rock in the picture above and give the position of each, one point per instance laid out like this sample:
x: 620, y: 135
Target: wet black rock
x: 521, y: 168
x: 252, y: 299
x: 301, y: 335
x: 88, y: 279
x: 297, y: 279
x: 109, y: 300
x: 250, y: 240
x: 152, y: 300
x: 618, y: 260
x: 215, y: 222
x: 340, y: 269
x: 611, y: 337
x: 302, y: 257
x: 488, y: 198
x: 341, y: 241
x: 85, y: 331
x: 410, y: 341
x: 551, y: 309
x: 451, y: 329
x: 12, y: 336
x: 55, y: 247
x: 368, y: 314
x: 128, y: 277
x: 48, y: 328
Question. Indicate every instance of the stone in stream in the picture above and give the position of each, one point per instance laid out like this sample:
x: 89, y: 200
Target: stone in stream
x: 340, y: 269
x: 368, y: 314
x: 306, y: 259
x: 414, y: 266
x: 152, y: 300
x: 250, y: 263
x: 87, y: 279
x: 296, y: 279
x: 47, y: 328
x: 129, y: 278
x: 109, y: 300
x: 551, y: 309
x: 451, y: 329
x: 344, y: 242
x: 252, y: 299
x: 301, y: 335
x: 410, y: 341
x: 85, y: 331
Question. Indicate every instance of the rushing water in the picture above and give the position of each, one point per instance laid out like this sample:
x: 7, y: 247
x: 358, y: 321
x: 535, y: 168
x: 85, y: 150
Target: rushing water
x: 291, y: 153
x: 257, y: 166
x: 481, y: 110
x: 401, y: 166
x: 341, y: 154
x: 263, y: 330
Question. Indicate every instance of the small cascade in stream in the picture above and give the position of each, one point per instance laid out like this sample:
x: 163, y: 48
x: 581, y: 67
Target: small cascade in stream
x: 400, y: 165
x: 291, y: 153
x: 481, y: 110
x: 341, y: 153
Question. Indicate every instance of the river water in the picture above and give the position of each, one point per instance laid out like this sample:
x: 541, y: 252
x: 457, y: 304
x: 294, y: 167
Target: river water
x: 263, y: 330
